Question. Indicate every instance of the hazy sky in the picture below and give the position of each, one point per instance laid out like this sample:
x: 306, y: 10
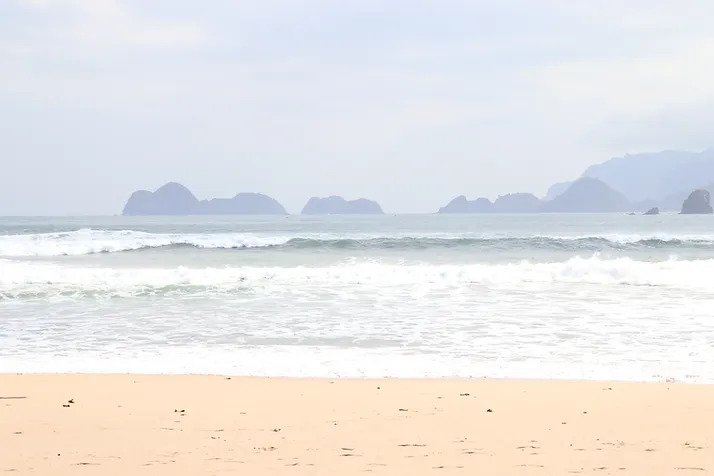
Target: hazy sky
x: 406, y: 102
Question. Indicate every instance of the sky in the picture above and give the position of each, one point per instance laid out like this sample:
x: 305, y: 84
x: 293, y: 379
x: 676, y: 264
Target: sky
x: 409, y: 103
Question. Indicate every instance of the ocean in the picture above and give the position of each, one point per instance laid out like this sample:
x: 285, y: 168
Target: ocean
x: 592, y: 296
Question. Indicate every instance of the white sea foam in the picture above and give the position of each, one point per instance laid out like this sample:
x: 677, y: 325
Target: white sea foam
x: 88, y: 241
x: 466, y: 296
x: 331, y: 362
x: 26, y: 278
x: 583, y: 318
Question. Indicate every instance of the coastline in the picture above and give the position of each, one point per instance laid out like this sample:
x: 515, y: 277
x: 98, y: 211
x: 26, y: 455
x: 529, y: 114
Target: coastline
x: 134, y: 424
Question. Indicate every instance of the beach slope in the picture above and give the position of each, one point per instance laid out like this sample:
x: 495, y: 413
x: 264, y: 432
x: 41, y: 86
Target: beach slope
x: 175, y: 425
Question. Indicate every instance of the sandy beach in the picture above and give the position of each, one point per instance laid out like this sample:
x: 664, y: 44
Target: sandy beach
x: 139, y: 424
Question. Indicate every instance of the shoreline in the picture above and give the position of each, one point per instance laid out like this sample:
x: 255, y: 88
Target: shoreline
x: 668, y: 381
x: 200, y: 424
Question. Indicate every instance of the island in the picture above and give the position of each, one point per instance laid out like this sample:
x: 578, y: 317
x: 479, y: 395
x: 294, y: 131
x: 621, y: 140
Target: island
x: 461, y: 205
x: 175, y: 199
x: 336, y: 205
x: 517, y: 203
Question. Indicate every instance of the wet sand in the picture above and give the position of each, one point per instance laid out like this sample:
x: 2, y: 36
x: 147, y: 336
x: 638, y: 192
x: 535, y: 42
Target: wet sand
x: 176, y: 425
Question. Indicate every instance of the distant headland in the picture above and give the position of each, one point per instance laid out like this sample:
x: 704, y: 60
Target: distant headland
x: 638, y: 182
x: 585, y: 195
x: 661, y: 181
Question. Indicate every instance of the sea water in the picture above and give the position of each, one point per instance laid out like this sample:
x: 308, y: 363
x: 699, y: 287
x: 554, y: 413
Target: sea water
x: 596, y: 296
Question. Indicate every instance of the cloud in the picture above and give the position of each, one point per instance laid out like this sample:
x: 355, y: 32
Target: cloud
x: 677, y: 16
x: 302, y: 98
x: 636, y: 85
x: 102, y: 23
x: 624, y: 103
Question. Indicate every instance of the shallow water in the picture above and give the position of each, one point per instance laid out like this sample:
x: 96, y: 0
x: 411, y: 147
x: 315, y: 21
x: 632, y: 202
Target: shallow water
x: 569, y: 296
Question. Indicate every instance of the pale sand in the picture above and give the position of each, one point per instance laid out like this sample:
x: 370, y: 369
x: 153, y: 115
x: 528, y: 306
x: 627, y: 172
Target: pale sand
x: 127, y: 424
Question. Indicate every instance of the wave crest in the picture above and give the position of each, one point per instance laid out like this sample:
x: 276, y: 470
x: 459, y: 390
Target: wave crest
x: 89, y: 241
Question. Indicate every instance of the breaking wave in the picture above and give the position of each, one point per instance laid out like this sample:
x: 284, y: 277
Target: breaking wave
x: 37, y: 279
x: 90, y: 241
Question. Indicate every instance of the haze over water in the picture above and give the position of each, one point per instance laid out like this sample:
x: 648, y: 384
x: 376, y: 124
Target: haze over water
x: 541, y: 296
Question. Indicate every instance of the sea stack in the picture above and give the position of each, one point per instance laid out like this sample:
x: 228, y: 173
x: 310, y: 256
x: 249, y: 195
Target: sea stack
x: 698, y: 203
x: 175, y: 199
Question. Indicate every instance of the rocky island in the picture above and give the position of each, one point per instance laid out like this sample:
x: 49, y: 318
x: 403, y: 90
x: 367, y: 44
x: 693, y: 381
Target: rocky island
x: 509, y: 203
x: 175, y: 199
x: 170, y: 199
x: 697, y: 203
x: 461, y: 205
x: 335, y: 205
x: 517, y: 203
